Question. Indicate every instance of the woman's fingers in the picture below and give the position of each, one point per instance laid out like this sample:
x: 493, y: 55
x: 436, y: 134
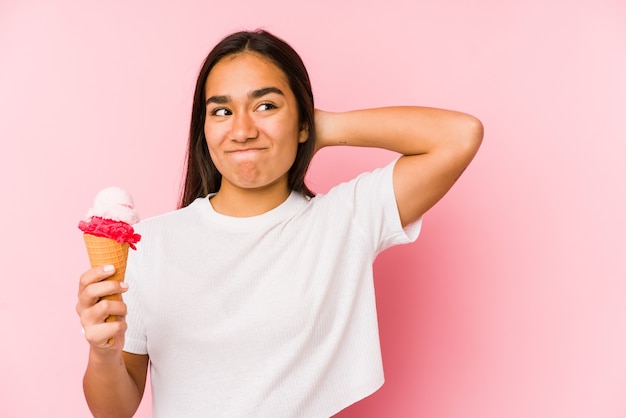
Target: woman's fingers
x: 99, y: 312
x: 94, y: 275
x: 94, y: 307
x: 107, y: 334
x: 93, y: 293
x: 93, y: 287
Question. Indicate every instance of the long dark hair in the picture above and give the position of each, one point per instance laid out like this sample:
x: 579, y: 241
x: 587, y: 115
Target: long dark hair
x: 201, y: 176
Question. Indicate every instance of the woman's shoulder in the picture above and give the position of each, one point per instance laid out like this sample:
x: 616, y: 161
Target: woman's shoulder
x: 367, y: 182
x: 174, y: 217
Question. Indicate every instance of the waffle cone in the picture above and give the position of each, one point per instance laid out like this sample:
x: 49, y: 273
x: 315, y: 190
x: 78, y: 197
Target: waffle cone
x: 103, y: 251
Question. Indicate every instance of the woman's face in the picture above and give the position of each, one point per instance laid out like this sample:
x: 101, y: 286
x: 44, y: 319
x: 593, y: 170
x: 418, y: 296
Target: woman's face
x: 252, y: 128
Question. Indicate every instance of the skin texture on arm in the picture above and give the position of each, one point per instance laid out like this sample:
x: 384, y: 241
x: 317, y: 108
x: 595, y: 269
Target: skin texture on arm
x: 114, y: 380
x: 437, y: 145
x: 114, y: 386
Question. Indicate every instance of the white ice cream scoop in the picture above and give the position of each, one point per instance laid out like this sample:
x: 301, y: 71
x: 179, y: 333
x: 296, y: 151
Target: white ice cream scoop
x: 116, y: 204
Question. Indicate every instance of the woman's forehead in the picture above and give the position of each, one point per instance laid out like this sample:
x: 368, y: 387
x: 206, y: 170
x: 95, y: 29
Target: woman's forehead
x: 244, y: 71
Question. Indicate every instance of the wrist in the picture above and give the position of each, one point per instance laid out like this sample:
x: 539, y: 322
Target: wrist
x: 324, y: 128
x: 104, y: 357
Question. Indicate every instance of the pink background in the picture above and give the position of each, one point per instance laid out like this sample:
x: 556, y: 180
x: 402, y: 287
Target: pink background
x: 511, y: 304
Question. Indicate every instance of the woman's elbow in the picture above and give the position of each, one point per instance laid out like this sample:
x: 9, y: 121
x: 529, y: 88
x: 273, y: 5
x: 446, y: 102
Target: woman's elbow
x: 472, y: 132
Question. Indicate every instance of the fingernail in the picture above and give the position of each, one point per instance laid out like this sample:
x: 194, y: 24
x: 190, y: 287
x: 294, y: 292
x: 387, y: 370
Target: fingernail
x: 124, y: 285
x: 108, y: 268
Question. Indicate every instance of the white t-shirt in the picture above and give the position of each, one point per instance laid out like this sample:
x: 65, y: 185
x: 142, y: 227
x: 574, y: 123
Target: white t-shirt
x: 267, y: 316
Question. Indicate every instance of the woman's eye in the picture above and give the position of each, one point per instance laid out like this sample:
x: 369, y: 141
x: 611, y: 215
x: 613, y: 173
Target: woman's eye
x: 220, y: 111
x: 266, y: 106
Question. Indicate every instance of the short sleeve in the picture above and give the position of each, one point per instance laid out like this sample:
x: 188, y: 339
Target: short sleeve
x: 135, y: 339
x: 396, y: 233
x: 371, y: 200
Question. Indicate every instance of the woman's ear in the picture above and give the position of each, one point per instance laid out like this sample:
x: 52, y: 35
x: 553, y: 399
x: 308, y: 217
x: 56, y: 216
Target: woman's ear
x: 304, y: 133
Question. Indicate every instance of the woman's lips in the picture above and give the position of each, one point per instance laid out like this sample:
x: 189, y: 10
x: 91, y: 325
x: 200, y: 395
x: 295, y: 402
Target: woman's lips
x: 245, y: 150
x: 245, y: 154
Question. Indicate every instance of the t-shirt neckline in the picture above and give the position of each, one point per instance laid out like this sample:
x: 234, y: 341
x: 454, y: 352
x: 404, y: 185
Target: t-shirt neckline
x: 283, y: 211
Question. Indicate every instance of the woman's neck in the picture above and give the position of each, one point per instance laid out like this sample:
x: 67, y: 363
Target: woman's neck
x: 242, y: 203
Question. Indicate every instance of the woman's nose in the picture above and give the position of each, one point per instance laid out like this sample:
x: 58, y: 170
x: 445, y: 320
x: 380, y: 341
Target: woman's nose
x: 243, y: 127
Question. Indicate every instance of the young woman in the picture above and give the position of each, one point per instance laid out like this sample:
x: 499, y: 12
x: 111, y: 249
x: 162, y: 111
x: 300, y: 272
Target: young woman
x: 255, y: 298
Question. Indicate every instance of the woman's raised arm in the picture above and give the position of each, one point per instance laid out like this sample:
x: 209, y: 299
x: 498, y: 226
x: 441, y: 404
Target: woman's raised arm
x: 437, y: 145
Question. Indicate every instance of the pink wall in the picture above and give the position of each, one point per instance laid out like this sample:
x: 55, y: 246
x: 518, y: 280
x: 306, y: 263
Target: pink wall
x: 511, y: 304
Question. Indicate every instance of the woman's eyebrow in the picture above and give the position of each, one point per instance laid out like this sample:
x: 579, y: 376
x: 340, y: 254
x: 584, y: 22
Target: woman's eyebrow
x: 254, y: 94
x: 218, y: 99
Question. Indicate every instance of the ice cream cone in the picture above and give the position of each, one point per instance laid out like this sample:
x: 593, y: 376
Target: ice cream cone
x: 108, y: 234
x: 103, y: 251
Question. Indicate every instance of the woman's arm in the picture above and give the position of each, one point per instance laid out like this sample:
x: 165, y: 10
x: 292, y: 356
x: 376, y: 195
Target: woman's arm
x: 114, y: 380
x: 114, y: 385
x: 437, y: 145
